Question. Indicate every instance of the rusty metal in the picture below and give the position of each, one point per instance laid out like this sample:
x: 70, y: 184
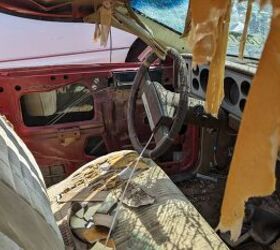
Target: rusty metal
x: 109, y: 123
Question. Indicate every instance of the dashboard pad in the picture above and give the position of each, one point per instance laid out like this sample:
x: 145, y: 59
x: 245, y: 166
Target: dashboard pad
x: 237, y: 84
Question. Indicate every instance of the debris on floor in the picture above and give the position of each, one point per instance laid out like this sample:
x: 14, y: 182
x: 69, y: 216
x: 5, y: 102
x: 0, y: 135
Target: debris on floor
x: 202, y: 192
x: 206, y: 195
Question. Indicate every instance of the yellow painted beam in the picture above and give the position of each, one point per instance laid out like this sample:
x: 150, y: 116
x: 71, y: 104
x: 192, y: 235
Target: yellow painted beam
x: 252, y: 171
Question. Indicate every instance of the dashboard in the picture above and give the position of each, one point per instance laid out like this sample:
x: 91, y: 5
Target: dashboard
x: 237, y: 84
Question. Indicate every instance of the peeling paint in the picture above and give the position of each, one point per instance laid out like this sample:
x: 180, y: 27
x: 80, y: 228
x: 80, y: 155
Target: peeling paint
x: 252, y: 171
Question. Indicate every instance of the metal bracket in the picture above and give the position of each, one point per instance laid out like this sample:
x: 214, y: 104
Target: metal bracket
x: 68, y: 136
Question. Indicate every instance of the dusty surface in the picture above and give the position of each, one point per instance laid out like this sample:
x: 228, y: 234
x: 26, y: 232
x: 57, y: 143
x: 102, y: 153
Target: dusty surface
x: 206, y: 195
x: 170, y: 222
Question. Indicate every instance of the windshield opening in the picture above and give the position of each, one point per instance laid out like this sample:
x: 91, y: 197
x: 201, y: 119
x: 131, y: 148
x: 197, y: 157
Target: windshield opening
x: 172, y: 14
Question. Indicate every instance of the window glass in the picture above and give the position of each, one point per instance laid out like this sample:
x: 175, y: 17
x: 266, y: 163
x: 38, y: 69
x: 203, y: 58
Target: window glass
x: 67, y: 104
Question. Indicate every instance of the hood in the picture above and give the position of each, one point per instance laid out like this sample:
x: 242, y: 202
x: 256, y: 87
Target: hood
x: 52, y: 10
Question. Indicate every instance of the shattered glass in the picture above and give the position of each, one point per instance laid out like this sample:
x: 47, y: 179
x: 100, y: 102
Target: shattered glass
x: 257, y: 32
x: 172, y: 14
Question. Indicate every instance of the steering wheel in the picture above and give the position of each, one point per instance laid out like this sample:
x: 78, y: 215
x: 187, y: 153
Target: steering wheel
x: 165, y: 110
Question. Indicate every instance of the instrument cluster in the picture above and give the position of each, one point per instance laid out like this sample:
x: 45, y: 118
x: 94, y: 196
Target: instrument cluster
x: 237, y: 84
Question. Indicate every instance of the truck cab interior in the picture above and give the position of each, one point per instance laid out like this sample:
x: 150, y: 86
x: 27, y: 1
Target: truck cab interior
x: 177, y: 149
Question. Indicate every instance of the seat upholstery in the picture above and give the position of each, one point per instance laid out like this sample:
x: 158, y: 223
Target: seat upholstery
x: 171, y: 222
x: 27, y: 221
x: 26, y: 217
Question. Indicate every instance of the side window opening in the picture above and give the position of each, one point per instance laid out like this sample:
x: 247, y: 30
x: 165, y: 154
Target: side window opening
x: 70, y: 103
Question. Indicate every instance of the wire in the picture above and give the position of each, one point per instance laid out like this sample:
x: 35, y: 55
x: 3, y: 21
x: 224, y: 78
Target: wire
x: 77, y: 101
x: 215, y: 147
x: 126, y: 186
x: 111, y: 44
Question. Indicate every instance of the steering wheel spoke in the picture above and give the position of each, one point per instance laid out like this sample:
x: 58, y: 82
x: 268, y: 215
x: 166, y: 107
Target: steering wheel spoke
x: 146, y: 78
x: 147, y: 75
x: 160, y: 133
x: 160, y: 104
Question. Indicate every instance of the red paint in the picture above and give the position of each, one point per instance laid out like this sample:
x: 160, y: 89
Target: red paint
x: 63, y: 54
x: 109, y: 122
x: 49, y: 10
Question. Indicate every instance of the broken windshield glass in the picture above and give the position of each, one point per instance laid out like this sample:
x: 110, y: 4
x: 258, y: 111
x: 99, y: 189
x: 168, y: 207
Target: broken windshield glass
x: 172, y: 14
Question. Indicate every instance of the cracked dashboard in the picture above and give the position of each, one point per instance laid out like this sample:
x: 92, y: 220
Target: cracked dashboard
x: 237, y: 84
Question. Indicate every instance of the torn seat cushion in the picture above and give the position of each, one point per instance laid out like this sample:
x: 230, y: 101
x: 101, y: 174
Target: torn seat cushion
x: 170, y: 222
